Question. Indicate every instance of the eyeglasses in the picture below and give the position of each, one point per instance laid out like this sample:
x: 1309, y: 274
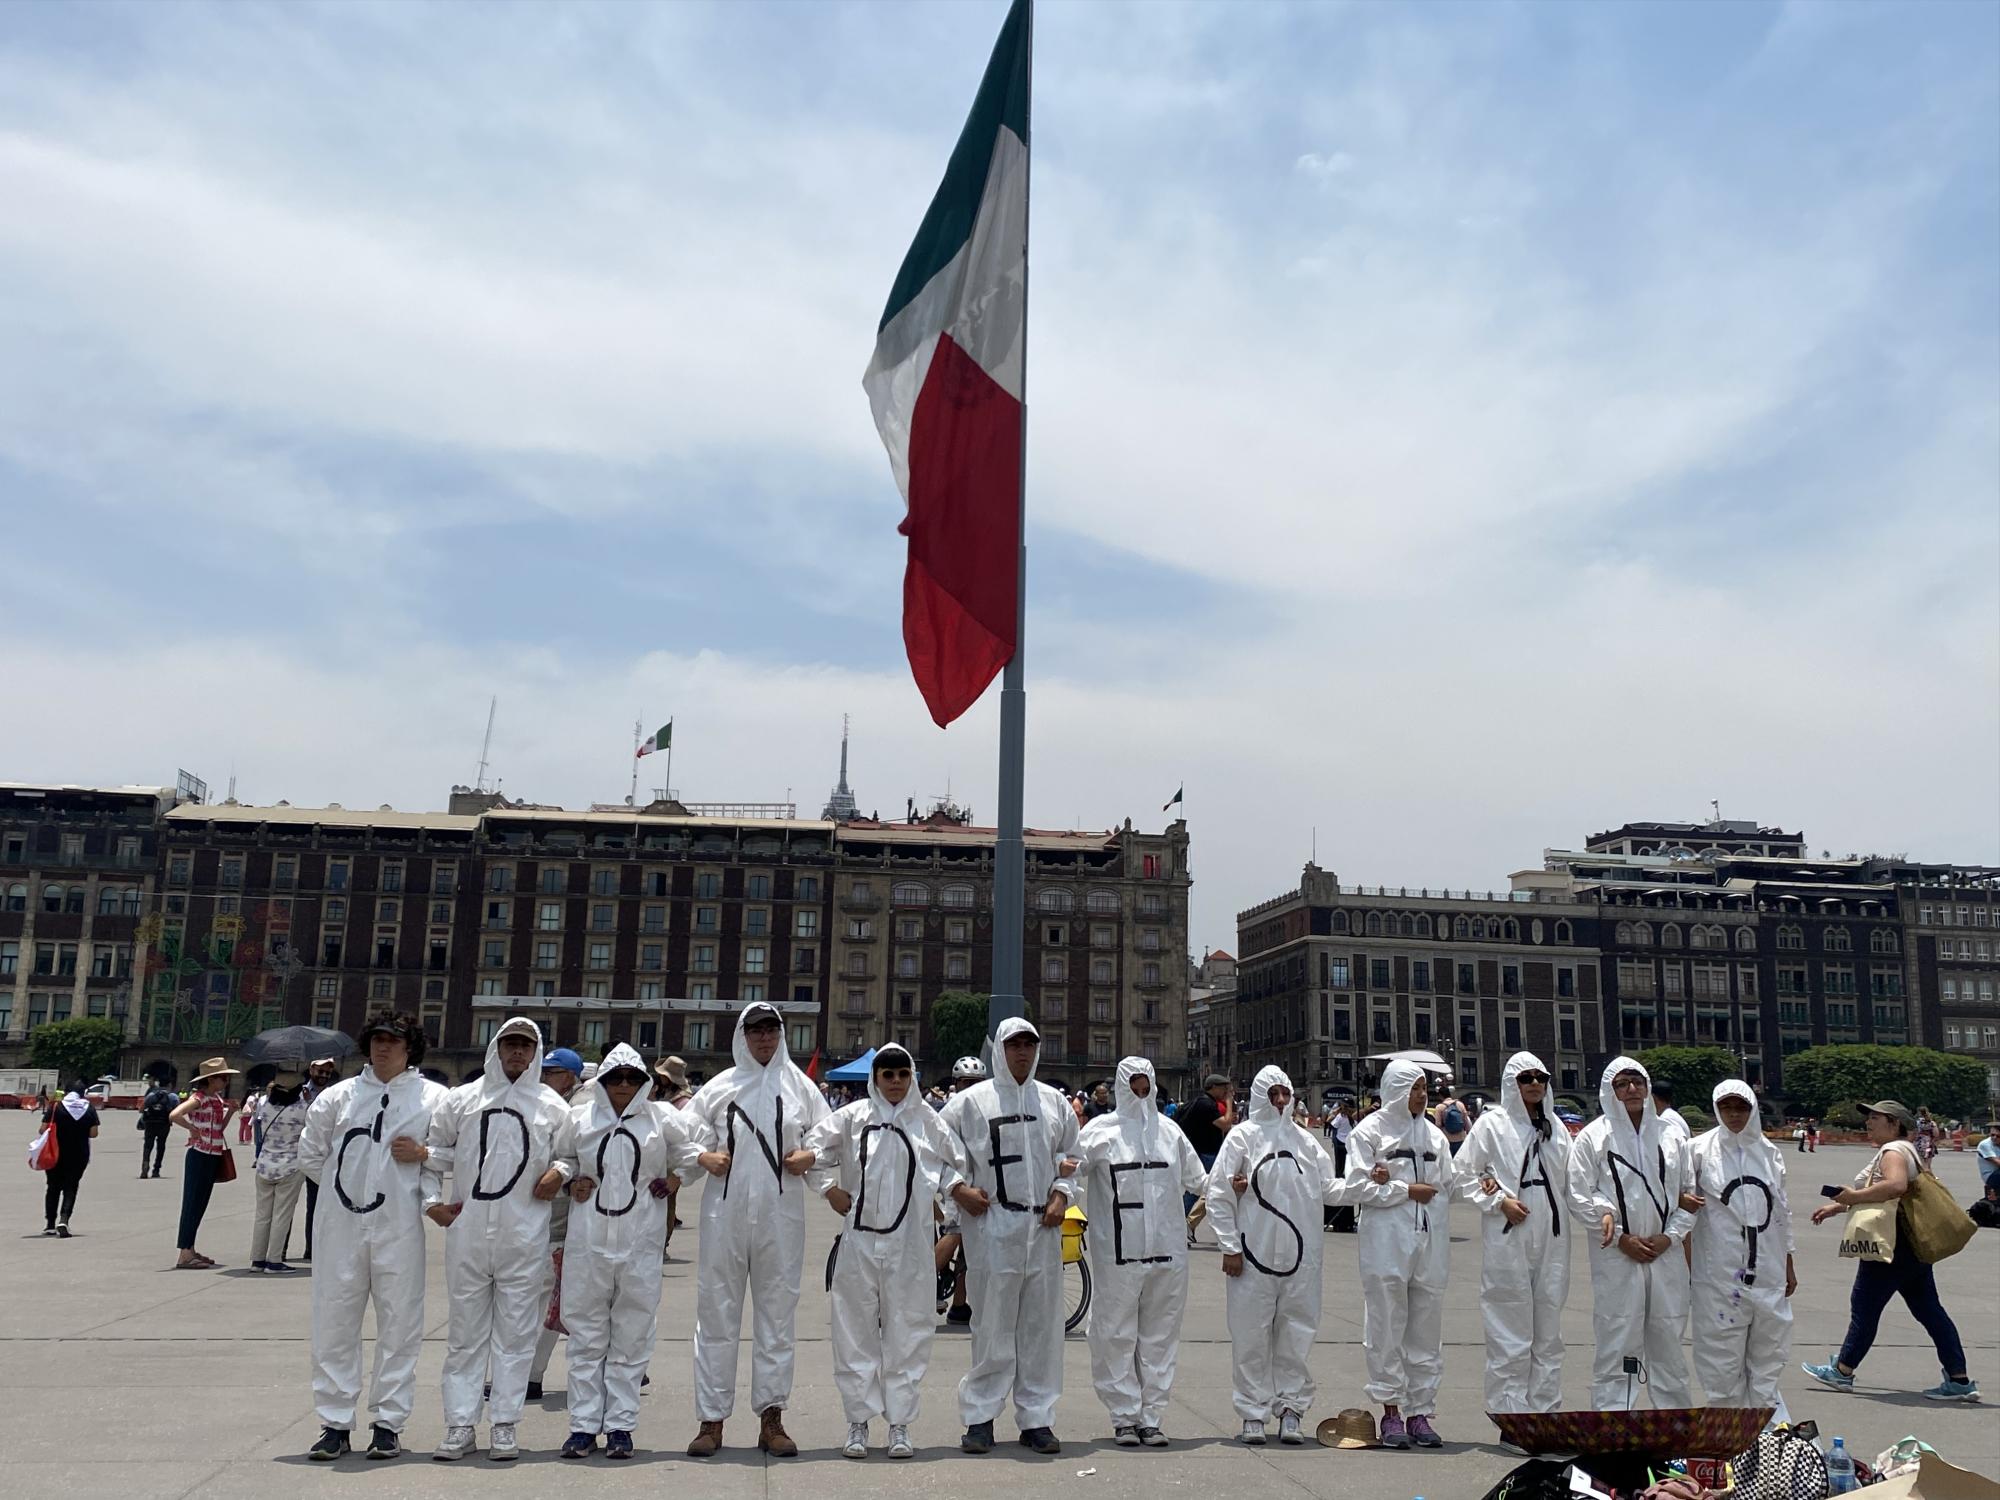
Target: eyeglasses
x: 1531, y: 1077
x: 892, y: 1073
x: 1628, y: 1085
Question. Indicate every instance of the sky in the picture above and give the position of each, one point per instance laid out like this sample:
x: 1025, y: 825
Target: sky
x: 1454, y: 429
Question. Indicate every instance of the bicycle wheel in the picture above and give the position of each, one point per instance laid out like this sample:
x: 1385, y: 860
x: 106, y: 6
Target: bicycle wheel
x: 832, y: 1254
x: 1076, y: 1295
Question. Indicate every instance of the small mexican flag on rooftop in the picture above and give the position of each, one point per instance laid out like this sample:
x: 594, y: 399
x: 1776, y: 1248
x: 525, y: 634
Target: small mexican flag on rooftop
x: 663, y: 739
x: 946, y: 389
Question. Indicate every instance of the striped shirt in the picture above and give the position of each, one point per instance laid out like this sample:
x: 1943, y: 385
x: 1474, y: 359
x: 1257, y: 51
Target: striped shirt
x: 207, y: 1118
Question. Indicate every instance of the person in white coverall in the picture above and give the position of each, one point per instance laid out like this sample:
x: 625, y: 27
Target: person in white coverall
x: 1264, y: 1198
x: 630, y: 1154
x: 1626, y: 1177
x: 1136, y: 1167
x: 893, y: 1156
x: 364, y: 1144
x: 1743, y: 1278
x: 1016, y: 1138
x: 1405, y: 1248
x: 751, y: 1122
x: 510, y: 1147
x: 1515, y: 1166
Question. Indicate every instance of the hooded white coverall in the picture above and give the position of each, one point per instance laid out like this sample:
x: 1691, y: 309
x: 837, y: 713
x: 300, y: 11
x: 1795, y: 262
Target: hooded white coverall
x: 1742, y: 1317
x: 1405, y: 1247
x: 496, y: 1138
x: 1637, y: 1310
x: 1273, y: 1307
x: 1135, y: 1169
x: 753, y: 1223
x: 892, y: 1161
x: 1012, y: 1139
x: 611, y: 1256
x: 1524, y: 1268
x: 368, y: 1240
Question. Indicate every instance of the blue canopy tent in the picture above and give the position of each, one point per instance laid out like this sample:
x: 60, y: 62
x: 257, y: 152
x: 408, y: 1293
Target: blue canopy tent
x: 854, y: 1072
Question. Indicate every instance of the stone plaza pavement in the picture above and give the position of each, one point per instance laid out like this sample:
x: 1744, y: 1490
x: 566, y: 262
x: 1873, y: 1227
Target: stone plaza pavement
x: 121, y: 1377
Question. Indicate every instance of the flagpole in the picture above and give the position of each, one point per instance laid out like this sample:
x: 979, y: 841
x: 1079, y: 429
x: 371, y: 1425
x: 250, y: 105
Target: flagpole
x: 1009, y: 847
x: 638, y: 728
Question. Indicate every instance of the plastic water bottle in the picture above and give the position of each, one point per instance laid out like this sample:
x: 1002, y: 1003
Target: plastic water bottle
x: 1840, y: 1470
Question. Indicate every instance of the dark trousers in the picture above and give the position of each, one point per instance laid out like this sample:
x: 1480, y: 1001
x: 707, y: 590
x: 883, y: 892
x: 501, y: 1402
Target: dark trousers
x: 1332, y: 1218
x: 1875, y: 1283
x: 60, y: 1191
x: 312, y: 1202
x: 198, y: 1174
x: 153, y: 1148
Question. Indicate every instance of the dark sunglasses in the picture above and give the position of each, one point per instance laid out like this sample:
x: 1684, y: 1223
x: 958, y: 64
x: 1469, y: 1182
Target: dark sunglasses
x: 1531, y: 1078
x: 623, y: 1075
x: 892, y: 1072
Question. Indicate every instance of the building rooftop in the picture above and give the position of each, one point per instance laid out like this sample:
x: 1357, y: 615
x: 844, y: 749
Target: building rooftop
x: 332, y: 816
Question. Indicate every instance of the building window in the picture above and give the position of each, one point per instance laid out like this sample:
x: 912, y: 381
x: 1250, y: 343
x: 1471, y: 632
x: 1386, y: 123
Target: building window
x: 703, y: 960
x: 906, y: 893
x: 1378, y: 973
x: 708, y: 919
x: 548, y: 917
x: 806, y: 888
x: 599, y: 956
x: 603, y: 882
x: 1338, y: 973
x: 802, y: 1039
x: 708, y: 885
x: 653, y: 919
x: 697, y: 1036
x: 755, y: 958
x: 1562, y: 932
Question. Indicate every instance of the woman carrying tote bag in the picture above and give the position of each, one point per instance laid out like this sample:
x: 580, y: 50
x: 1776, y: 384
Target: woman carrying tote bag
x: 1886, y: 1179
x: 203, y: 1114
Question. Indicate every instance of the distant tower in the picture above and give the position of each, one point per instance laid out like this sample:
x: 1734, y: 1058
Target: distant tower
x: 840, y: 804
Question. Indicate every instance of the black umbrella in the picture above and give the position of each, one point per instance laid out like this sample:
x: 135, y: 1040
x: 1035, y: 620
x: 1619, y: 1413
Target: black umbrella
x: 297, y: 1045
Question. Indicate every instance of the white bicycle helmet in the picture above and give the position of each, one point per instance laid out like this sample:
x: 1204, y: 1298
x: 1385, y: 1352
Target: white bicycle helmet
x: 967, y: 1069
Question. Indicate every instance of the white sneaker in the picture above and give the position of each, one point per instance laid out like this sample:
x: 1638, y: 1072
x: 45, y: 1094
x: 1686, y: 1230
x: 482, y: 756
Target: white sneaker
x: 857, y: 1440
x: 899, y: 1443
x: 1252, y: 1434
x: 1288, y: 1428
x: 458, y: 1442
x: 503, y: 1447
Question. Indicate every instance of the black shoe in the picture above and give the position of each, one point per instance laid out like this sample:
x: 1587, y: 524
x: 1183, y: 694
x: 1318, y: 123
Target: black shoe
x: 382, y: 1443
x: 534, y: 1390
x: 1041, y: 1440
x: 48, y: 1231
x: 978, y: 1438
x: 959, y: 1314
x: 62, y: 1231
x: 332, y: 1443
x: 644, y: 1381
x: 617, y: 1444
x: 579, y: 1445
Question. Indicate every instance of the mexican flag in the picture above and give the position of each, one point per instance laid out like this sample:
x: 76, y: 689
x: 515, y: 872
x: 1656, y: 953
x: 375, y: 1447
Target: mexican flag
x: 663, y: 738
x: 946, y: 389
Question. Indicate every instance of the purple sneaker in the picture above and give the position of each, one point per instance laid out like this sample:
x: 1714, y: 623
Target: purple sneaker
x: 1394, y: 1435
x: 1420, y: 1433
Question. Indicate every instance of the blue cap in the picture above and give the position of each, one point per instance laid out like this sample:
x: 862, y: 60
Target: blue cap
x: 564, y: 1058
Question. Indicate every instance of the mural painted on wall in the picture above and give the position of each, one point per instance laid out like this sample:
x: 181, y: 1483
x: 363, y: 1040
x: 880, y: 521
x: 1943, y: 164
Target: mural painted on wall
x: 222, y: 987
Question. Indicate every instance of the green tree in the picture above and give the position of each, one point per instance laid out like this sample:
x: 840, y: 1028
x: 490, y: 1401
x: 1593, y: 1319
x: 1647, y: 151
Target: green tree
x: 1693, y: 1071
x: 1819, y: 1078
x: 958, y: 1026
x: 86, y: 1048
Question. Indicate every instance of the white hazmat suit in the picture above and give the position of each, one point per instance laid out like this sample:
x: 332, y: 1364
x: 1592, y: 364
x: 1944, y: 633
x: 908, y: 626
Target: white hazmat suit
x: 1742, y: 1236
x: 1135, y: 1169
x: 1012, y: 1139
x: 1273, y: 1307
x: 1405, y: 1246
x: 1637, y: 1309
x: 368, y: 1240
x: 892, y: 1161
x: 1524, y: 1268
x: 611, y: 1253
x: 497, y: 1138
x: 753, y: 1222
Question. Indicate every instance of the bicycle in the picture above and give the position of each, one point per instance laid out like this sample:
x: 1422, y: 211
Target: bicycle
x: 1076, y: 1271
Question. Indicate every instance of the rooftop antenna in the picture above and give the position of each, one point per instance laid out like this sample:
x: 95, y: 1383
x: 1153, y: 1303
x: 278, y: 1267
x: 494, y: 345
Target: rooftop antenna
x: 486, y: 745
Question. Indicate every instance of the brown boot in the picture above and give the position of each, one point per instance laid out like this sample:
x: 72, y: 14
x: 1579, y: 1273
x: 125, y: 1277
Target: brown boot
x: 707, y: 1441
x: 773, y: 1439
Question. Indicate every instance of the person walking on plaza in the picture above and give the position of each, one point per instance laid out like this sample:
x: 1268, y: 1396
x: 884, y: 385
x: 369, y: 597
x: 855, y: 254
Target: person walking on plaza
x: 893, y: 1157
x: 630, y: 1152
x: 74, y: 1119
x: 1405, y: 1250
x: 1742, y: 1272
x: 1672, y: 1122
x: 751, y: 1121
x: 562, y: 1071
x: 1989, y: 1155
x: 364, y: 1143
x: 278, y: 1177
x: 670, y: 1086
x: 155, y: 1125
x: 1626, y: 1179
x: 1016, y: 1138
x: 1264, y: 1197
x: 1136, y: 1169
x: 509, y: 1146
x: 203, y: 1115
x: 1204, y: 1122
x: 1885, y: 1179
x: 1516, y: 1165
